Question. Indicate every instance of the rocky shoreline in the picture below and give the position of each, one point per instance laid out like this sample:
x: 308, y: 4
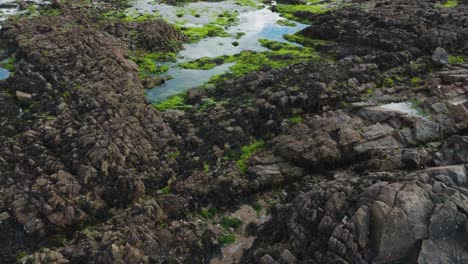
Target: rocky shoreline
x: 301, y: 164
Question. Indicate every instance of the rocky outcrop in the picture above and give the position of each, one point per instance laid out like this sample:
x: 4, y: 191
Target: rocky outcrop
x: 92, y: 173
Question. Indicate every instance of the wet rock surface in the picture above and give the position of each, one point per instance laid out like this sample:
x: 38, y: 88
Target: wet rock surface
x: 93, y: 173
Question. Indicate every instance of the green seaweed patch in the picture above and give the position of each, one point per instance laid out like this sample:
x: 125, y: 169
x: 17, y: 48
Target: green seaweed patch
x: 9, y: 64
x: 455, y: 59
x: 285, y: 22
x: 289, y: 11
x: 449, y: 4
x: 205, y: 63
x: 247, y: 152
x: 209, y: 213
x: 296, y: 119
x: 251, y: 3
x: 147, y: 62
x: 304, y: 41
x: 173, y: 102
x: 279, y: 55
x: 415, y: 81
x: 195, y: 34
x: 227, y: 239
x: 389, y: 82
x: 227, y: 18
x: 166, y: 190
x: 122, y: 15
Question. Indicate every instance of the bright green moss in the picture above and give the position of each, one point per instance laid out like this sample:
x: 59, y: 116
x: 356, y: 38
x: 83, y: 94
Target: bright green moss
x: 247, y: 152
x: 415, y: 81
x: 147, y: 62
x: 279, y: 55
x: 166, y: 190
x: 288, y: 11
x: 174, y: 102
x: 296, y: 119
x: 195, y: 34
x: 227, y: 18
x: 450, y: 3
x: 204, y: 63
x: 250, y: 3
x: 455, y: 59
x: 389, y: 82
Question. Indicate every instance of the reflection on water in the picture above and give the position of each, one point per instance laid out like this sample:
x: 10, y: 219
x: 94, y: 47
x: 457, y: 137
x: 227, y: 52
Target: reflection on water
x: 256, y: 24
x: 4, y: 73
x: 184, y: 80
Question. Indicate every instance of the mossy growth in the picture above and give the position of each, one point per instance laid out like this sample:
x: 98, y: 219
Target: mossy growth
x: 227, y: 18
x: 195, y: 34
x: 305, y: 41
x: 20, y: 255
x: 147, y: 65
x: 227, y: 239
x: 230, y: 222
x: 8, y: 64
x: 455, y: 59
x: 415, y: 81
x: 251, y: 3
x: 173, y: 102
x: 279, y: 55
x: 209, y: 213
x: 313, y: 6
x: 449, y: 4
x: 174, y: 154
x: 206, y: 168
x: 247, y: 152
x: 389, y: 82
x: 122, y: 15
x: 296, y: 119
x: 285, y: 22
x: 166, y: 190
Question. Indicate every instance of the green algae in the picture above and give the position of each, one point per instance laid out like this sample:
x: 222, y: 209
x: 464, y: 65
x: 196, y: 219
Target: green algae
x: 227, y: 18
x: 304, y: 41
x: 279, y: 55
x: 455, y: 59
x: 227, y: 239
x: 9, y: 64
x: 285, y: 22
x: 250, y: 3
x: 174, y: 102
x: 296, y: 119
x: 195, y: 34
x: 247, y: 152
x: 147, y: 62
x: 415, y: 81
x: 449, y: 4
x: 288, y: 11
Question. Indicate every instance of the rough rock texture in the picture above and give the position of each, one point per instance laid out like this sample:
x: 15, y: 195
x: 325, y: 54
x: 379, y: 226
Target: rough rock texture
x: 92, y: 173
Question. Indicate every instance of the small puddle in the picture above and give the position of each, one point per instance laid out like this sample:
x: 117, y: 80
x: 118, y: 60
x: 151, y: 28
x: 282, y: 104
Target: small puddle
x: 4, y: 74
x: 255, y: 24
x: 404, y: 107
x: 183, y: 80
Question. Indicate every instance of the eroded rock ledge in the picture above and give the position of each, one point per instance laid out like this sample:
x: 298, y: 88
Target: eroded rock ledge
x: 364, y: 183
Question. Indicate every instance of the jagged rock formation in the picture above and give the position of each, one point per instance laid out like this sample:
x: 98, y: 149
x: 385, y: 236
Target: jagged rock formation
x: 84, y: 158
